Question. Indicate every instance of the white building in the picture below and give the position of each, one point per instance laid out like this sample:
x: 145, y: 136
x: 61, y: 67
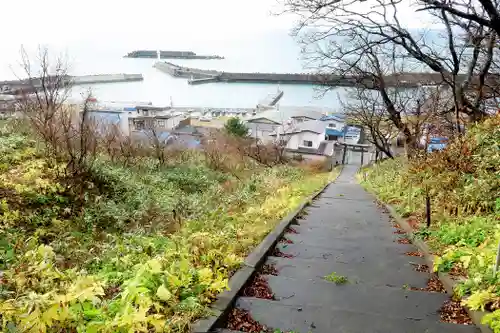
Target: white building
x: 313, y: 136
x: 265, y: 123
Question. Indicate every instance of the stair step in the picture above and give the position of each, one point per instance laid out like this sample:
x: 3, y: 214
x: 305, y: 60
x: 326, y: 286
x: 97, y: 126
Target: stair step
x: 381, y: 231
x: 389, y: 301
x: 346, y: 191
x: 346, y: 233
x: 378, y: 273
x: 321, y: 319
x: 332, y: 240
x: 353, y: 255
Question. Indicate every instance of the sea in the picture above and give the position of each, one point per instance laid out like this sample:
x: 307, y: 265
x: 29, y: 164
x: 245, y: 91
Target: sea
x: 272, y: 51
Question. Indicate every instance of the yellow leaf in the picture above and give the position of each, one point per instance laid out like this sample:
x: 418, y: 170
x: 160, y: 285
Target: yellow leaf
x: 51, y: 314
x: 205, y: 276
x: 163, y: 293
x: 155, y: 266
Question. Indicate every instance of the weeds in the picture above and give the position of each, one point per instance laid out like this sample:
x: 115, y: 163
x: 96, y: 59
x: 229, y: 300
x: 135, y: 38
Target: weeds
x: 463, y: 182
x: 335, y: 278
x: 139, y: 246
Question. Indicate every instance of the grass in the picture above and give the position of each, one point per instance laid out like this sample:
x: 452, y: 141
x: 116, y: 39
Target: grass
x: 463, y: 183
x: 335, y: 278
x: 141, y: 248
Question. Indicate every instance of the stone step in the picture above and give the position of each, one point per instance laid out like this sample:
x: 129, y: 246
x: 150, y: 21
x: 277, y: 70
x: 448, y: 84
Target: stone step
x: 330, y: 218
x: 347, y: 233
x: 321, y: 319
x: 351, y: 255
x: 346, y: 191
x: 370, y: 273
x: 391, y: 302
x: 339, y: 241
x: 355, y: 230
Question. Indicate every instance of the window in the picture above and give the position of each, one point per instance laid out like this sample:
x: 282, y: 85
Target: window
x: 161, y: 123
x: 307, y: 143
x: 332, y: 125
x: 139, y: 125
x: 332, y: 138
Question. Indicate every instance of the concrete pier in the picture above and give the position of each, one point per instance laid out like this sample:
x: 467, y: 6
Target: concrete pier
x: 153, y: 54
x: 272, y: 99
x: 200, y: 76
x: 106, y: 78
x: 15, y: 86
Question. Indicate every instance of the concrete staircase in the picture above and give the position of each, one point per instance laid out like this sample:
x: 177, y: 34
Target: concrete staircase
x: 345, y: 232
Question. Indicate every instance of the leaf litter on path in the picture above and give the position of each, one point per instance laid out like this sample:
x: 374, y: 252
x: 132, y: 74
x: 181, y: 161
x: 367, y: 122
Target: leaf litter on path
x: 259, y: 288
x: 453, y: 312
x: 241, y: 320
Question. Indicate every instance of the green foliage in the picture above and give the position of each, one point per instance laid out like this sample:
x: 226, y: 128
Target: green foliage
x: 337, y: 279
x: 236, y: 127
x: 139, y: 248
x: 463, y: 182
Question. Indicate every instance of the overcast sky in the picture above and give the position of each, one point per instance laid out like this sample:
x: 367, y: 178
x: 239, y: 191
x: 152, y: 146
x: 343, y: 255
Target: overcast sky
x: 64, y: 21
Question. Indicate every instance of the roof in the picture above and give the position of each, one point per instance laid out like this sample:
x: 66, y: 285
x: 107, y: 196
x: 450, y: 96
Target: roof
x: 261, y: 127
x: 314, y: 126
x: 331, y: 131
x: 285, y: 113
x: 337, y: 116
x: 325, y: 149
x: 162, y: 135
x: 187, y: 129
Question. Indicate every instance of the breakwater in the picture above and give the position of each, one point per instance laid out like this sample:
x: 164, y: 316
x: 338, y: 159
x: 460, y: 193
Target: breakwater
x: 272, y: 99
x: 151, y: 54
x: 201, y: 76
x: 16, y: 86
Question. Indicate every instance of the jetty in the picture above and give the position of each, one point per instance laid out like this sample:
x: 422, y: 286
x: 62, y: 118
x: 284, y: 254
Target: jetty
x: 14, y: 87
x: 153, y: 54
x: 201, y: 76
x: 271, y: 99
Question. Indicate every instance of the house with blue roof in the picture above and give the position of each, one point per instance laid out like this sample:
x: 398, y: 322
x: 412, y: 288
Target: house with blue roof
x: 313, y: 137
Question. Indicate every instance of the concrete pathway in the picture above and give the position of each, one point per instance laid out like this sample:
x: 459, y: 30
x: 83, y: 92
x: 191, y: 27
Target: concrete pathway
x: 345, y: 232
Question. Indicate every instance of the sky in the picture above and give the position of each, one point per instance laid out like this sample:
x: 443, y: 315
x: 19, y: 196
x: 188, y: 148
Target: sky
x: 63, y: 21
x: 203, y: 26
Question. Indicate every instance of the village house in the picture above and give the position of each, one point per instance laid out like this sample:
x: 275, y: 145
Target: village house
x: 279, y: 120
x: 316, y: 137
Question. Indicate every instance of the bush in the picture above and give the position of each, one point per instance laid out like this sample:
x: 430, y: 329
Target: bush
x: 463, y: 182
x: 139, y: 247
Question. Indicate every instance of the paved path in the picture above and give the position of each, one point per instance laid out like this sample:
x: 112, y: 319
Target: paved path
x: 345, y: 232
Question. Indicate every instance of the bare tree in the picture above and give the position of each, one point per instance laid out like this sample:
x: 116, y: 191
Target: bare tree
x: 344, y: 33
x: 157, y: 142
x: 68, y: 132
x: 368, y: 113
x: 483, y: 13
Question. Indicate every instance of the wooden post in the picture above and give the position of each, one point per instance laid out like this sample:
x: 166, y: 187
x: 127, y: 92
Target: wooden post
x: 344, y: 153
x: 495, y: 269
x: 428, y: 210
x: 410, y: 203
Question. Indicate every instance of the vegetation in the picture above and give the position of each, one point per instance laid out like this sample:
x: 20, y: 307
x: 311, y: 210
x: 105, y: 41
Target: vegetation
x: 236, y: 127
x: 127, y: 243
x: 463, y: 183
x: 337, y: 279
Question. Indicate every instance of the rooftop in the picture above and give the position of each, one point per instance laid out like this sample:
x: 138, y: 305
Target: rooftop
x: 285, y: 113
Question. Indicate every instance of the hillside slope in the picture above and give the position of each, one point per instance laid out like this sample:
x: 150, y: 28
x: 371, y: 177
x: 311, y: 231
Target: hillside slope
x: 463, y: 182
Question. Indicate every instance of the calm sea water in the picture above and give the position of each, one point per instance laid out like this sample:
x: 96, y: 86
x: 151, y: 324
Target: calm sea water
x: 271, y: 52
